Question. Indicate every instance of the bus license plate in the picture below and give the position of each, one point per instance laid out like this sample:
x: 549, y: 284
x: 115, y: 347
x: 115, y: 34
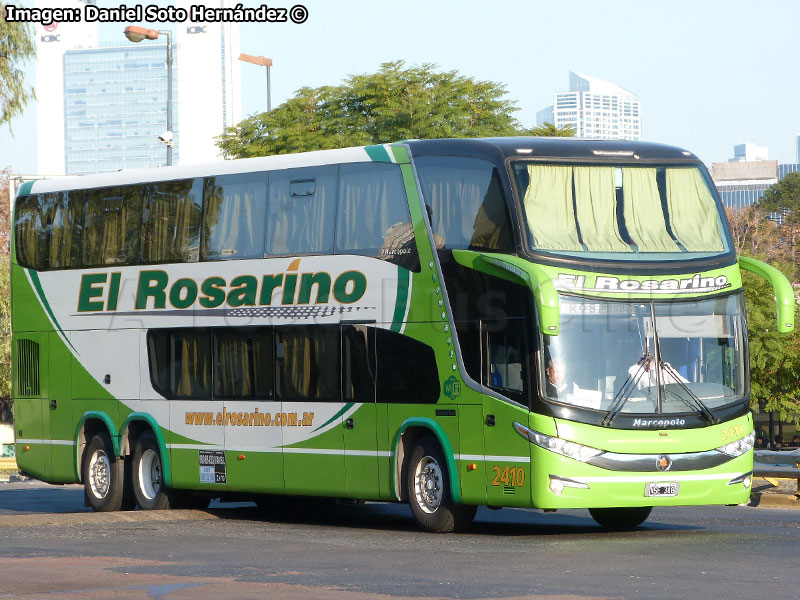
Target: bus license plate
x: 661, y: 489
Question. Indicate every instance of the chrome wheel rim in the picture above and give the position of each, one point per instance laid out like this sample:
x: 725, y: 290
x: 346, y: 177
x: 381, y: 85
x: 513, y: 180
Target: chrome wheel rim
x: 149, y: 474
x: 99, y: 474
x: 428, y: 485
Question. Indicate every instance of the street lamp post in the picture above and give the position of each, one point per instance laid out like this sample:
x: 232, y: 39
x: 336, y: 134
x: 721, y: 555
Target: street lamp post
x: 261, y: 61
x: 137, y: 34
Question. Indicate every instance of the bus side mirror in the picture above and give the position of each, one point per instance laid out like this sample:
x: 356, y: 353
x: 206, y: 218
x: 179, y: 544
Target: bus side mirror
x: 784, y: 293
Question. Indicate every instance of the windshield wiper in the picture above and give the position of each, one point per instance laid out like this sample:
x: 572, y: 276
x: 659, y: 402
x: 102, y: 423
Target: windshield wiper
x: 697, y: 404
x: 624, y: 393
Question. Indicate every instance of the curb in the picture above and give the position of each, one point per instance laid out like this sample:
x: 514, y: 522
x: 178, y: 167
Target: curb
x: 774, y: 500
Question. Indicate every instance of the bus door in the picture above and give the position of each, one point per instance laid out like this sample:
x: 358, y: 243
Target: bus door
x: 308, y: 384
x: 507, y: 454
x: 59, y: 409
x: 360, y: 425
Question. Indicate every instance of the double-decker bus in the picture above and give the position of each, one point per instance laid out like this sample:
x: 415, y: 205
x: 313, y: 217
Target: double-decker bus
x: 523, y: 322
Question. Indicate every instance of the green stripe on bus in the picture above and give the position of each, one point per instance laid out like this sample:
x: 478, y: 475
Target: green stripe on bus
x: 378, y: 153
x: 344, y: 409
x: 37, y: 285
x: 403, y: 279
x: 400, y: 154
x: 25, y: 188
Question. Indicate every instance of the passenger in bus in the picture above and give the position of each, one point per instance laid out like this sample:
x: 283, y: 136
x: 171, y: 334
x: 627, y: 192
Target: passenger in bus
x: 644, y: 375
x: 555, y: 372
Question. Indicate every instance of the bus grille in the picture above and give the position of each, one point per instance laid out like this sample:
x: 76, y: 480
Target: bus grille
x: 27, y: 368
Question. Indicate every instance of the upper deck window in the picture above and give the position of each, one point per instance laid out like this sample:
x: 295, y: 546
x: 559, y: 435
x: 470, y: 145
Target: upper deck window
x: 620, y: 212
x: 465, y: 200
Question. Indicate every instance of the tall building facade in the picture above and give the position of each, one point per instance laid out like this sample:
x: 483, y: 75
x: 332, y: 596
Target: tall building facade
x: 595, y: 109
x: 52, y: 43
x: 115, y: 107
x: 103, y: 108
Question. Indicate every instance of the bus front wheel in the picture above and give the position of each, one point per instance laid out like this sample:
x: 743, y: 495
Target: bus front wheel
x: 429, y: 491
x: 148, y: 479
x: 103, y: 475
x: 621, y: 518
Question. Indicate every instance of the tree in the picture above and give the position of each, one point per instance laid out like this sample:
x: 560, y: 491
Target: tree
x: 783, y: 197
x: 547, y: 129
x: 16, y: 47
x: 755, y: 235
x: 396, y: 103
x: 774, y: 357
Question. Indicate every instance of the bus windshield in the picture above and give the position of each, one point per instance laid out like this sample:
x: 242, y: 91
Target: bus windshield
x: 609, y: 357
x: 623, y: 212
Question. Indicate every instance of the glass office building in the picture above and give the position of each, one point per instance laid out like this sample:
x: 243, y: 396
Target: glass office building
x: 115, y: 107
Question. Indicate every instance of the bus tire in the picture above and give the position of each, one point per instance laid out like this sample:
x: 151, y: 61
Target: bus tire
x: 621, y: 518
x: 148, y: 478
x: 429, y: 491
x: 103, y: 475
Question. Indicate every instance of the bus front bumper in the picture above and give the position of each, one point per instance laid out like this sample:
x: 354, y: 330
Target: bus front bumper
x: 561, y: 482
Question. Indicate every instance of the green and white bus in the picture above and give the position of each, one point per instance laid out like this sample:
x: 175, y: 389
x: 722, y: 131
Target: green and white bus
x: 524, y: 322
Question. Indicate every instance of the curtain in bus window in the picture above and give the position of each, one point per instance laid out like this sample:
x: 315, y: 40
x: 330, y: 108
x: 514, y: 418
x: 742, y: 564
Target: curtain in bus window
x: 263, y: 363
x: 27, y: 227
x: 549, y: 208
x: 307, y: 363
x: 692, y: 211
x: 234, y: 216
x: 466, y: 202
x: 233, y: 375
x: 644, y: 216
x: 373, y: 217
x: 596, y: 204
x: 171, y: 218
x: 302, y: 211
x: 111, y: 226
x: 192, y: 363
x: 64, y: 230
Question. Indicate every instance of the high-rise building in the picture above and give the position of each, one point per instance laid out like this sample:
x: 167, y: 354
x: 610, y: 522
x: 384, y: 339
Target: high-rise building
x: 53, y: 41
x: 106, y: 106
x: 749, y: 152
x: 797, y: 142
x: 115, y: 106
x: 595, y: 109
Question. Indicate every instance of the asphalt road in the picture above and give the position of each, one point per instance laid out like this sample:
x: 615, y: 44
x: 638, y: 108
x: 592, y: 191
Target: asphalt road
x: 52, y: 547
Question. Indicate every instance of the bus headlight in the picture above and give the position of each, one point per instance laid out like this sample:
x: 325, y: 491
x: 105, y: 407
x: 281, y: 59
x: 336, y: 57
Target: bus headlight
x: 557, y: 445
x: 740, y: 446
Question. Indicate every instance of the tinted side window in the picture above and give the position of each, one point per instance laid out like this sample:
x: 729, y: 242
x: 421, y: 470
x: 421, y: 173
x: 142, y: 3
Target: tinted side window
x: 373, y: 218
x: 406, y: 369
x: 27, y: 230
x: 466, y: 201
x: 180, y: 363
x: 171, y: 217
x: 302, y: 211
x: 358, y: 364
x: 243, y: 364
x: 307, y: 363
x: 235, y: 212
x: 111, y: 226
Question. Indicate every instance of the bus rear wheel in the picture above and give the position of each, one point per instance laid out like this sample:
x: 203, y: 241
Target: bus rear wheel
x: 621, y: 518
x: 148, y: 478
x: 103, y: 475
x: 429, y: 491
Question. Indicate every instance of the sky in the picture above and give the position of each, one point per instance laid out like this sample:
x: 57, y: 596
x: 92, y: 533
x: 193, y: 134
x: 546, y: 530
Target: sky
x: 709, y: 74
